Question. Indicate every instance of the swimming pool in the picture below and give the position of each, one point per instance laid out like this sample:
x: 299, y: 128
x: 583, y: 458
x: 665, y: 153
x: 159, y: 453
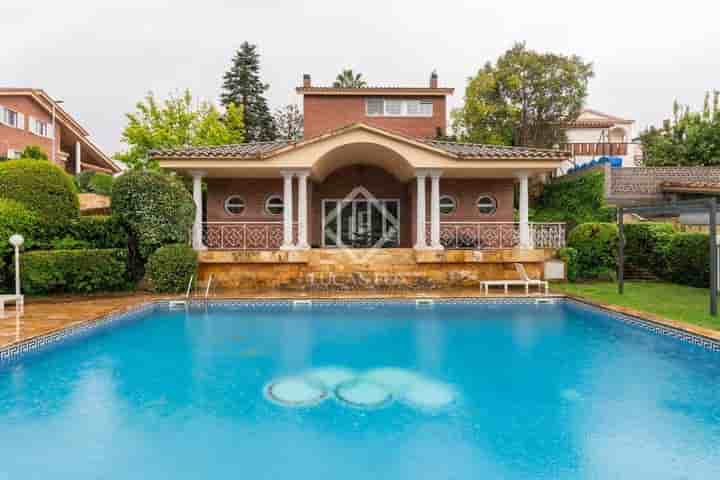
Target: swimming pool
x: 458, y: 390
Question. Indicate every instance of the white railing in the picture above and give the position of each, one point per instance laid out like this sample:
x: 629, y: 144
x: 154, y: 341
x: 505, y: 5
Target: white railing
x: 244, y: 235
x: 490, y: 235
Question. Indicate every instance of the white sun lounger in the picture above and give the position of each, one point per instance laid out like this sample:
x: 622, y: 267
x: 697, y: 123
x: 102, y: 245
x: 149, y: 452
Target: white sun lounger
x: 525, y: 281
x: 18, y: 300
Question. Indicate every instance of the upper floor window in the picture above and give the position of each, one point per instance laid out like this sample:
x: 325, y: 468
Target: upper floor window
x: 11, y: 118
x: 274, y: 205
x: 391, y: 107
x: 38, y: 127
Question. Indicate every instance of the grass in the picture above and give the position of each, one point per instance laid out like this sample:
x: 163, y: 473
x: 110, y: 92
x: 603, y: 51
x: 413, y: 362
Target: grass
x: 668, y: 300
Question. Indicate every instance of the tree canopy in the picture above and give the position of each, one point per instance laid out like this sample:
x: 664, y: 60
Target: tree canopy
x: 289, y: 121
x: 689, y: 139
x: 177, y: 121
x: 242, y: 86
x: 349, y: 79
x: 523, y: 99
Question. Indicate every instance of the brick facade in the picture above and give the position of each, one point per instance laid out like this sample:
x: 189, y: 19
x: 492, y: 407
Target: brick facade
x: 323, y: 113
x: 17, y: 139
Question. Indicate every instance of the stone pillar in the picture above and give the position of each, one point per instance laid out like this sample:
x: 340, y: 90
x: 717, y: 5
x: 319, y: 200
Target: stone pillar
x: 435, y: 211
x: 302, y: 211
x: 420, y: 241
x: 78, y: 158
x: 288, y: 243
x: 197, y: 230
x: 525, y: 240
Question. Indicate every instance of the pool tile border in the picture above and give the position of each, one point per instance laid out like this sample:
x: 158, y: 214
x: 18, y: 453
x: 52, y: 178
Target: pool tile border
x: 12, y: 353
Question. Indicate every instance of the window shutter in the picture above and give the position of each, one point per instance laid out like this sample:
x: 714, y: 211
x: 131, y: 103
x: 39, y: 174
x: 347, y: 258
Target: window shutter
x: 31, y: 125
x: 426, y: 109
x: 393, y: 107
x: 2, y: 114
x: 50, y: 131
x: 374, y: 106
x: 20, y: 121
x: 413, y: 108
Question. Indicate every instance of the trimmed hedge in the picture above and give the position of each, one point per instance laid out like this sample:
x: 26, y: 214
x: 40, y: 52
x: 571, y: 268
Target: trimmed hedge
x: 95, y: 182
x: 43, y: 188
x: 155, y: 209
x: 169, y: 269
x: 688, y: 257
x: 16, y: 218
x: 569, y: 255
x: 646, y: 246
x: 596, y: 245
x: 99, y: 231
x: 81, y: 271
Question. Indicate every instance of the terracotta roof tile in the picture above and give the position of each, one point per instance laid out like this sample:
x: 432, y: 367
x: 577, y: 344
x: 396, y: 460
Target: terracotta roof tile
x: 237, y: 150
x: 691, y: 186
x: 478, y: 150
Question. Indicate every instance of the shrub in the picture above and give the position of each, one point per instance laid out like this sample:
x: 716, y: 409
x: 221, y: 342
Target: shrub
x: 33, y: 152
x: 155, y: 209
x: 82, y: 271
x: 98, y: 231
x: 16, y: 218
x: 596, y: 245
x: 69, y: 243
x: 569, y: 256
x: 646, y: 246
x: 689, y: 259
x: 94, y: 182
x: 43, y: 188
x: 169, y: 269
x: 82, y: 180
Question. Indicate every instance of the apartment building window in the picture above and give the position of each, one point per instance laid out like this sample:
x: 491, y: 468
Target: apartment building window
x: 11, y: 118
x: 391, y: 107
x: 38, y: 127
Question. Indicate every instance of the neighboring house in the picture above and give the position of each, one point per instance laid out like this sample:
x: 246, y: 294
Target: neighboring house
x: 31, y: 117
x: 595, y: 134
x: 368, y: 175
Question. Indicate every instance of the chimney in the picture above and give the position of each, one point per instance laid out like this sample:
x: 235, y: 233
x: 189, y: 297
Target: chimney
x: 306, y: 80
x: 433, y: 79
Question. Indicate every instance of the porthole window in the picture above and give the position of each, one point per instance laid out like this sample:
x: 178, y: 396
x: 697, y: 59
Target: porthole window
x: 235, y: 205
x: 274, y: 205
x: 486, y: 205
x: 447, y: 205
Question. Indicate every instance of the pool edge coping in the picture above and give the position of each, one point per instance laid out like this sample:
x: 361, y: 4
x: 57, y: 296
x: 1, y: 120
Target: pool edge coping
x: 700, y: 336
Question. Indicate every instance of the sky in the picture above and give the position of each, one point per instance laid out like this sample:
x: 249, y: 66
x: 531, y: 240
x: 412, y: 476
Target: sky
x: 100, y: 57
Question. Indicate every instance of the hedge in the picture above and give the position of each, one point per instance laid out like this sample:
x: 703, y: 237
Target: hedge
x: 688, y: 257
x: 646, y: 246
x: 99, y: 231
x: 170, y: 268
x: 16, y: 218
x: 569, y: 255
x: 596, y: 245
x: 95, y: 182
x: 81, y: 271
x: 43, y: 188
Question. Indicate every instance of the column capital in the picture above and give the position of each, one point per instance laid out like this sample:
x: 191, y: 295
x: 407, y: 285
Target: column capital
x: 522, y: 175
x: 197, y: 173
x: 287, y: 173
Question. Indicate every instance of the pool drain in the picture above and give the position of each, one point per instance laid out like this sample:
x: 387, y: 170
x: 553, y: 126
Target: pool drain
x: 361, y: 393
x: 295, y: 392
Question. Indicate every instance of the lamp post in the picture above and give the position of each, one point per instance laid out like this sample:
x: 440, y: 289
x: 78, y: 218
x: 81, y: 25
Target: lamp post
x: 55, y: 103
x: 16, y: 241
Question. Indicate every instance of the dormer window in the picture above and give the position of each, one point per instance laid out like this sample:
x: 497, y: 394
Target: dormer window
x: 391, y: 107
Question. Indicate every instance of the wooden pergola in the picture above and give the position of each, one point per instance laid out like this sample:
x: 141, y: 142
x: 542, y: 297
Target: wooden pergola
x: 708, y: 205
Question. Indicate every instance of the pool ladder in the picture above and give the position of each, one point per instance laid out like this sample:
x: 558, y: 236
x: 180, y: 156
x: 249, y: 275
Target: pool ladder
x: 191, y: 297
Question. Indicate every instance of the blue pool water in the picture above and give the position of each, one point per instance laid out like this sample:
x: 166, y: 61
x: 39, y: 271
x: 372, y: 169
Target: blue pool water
x: 453, y: 392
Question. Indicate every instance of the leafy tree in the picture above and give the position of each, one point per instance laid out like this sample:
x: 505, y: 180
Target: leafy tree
x: 523, y: 99
x: 33, y: 152
x: 348, y: 79
x: 177, y: 121
x: 689, y: 139
x: 242, y: 86
x: 289, y: 122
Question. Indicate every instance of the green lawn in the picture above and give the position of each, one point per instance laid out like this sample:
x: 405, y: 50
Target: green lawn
x: 676, y: 302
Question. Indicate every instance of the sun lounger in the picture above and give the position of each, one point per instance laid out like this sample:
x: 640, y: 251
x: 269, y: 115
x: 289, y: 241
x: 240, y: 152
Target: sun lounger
x: 525, y: 281
x: 18, y: 300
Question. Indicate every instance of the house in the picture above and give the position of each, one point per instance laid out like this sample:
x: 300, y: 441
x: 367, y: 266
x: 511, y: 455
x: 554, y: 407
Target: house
x: 595, y: 134
x: 31, y: 117
x: 368, y: 195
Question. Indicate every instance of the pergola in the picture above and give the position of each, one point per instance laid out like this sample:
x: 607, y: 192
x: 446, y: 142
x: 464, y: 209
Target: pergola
x: 708, y: 205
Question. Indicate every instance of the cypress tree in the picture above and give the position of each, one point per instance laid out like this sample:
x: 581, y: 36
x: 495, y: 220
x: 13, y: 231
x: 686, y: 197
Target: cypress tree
x: 242, y: 86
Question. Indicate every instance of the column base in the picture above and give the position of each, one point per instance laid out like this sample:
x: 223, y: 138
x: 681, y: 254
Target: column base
x: 288, y: 247
x: 431, y: 248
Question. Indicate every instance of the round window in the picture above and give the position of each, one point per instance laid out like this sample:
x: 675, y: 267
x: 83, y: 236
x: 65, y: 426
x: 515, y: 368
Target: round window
x: 447, y: 205
x: 486, y: 204
x: 234, y: 205
x: 274, y: 205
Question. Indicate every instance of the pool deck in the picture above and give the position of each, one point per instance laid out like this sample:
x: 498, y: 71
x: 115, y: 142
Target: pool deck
x: 50, y: 314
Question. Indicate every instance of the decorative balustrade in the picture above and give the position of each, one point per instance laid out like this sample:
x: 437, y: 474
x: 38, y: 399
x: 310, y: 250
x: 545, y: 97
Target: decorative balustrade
x: 244, y: 235
x: 490, y: 235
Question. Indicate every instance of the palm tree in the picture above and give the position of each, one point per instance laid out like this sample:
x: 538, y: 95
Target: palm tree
x: 348, y: 79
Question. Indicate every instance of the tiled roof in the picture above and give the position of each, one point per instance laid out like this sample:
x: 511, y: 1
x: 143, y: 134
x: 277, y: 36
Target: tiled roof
x: 479, y: 150
x: 376, y: 90
x: 237, y: 150
x: 711, y: 187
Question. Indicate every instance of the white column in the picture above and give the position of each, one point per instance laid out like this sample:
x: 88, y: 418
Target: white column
x: 287, y: 211
x: 197, y: 198
x: 435, y: 211
x: 302, y: 211
x: 421, y: 241
x: 525, y: 241
x: 78, y: 158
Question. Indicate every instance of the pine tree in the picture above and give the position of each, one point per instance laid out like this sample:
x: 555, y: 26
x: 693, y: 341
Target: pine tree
x: 242, y: 86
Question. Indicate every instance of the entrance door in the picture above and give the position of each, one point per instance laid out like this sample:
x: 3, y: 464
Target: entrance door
x: 361, y: 223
